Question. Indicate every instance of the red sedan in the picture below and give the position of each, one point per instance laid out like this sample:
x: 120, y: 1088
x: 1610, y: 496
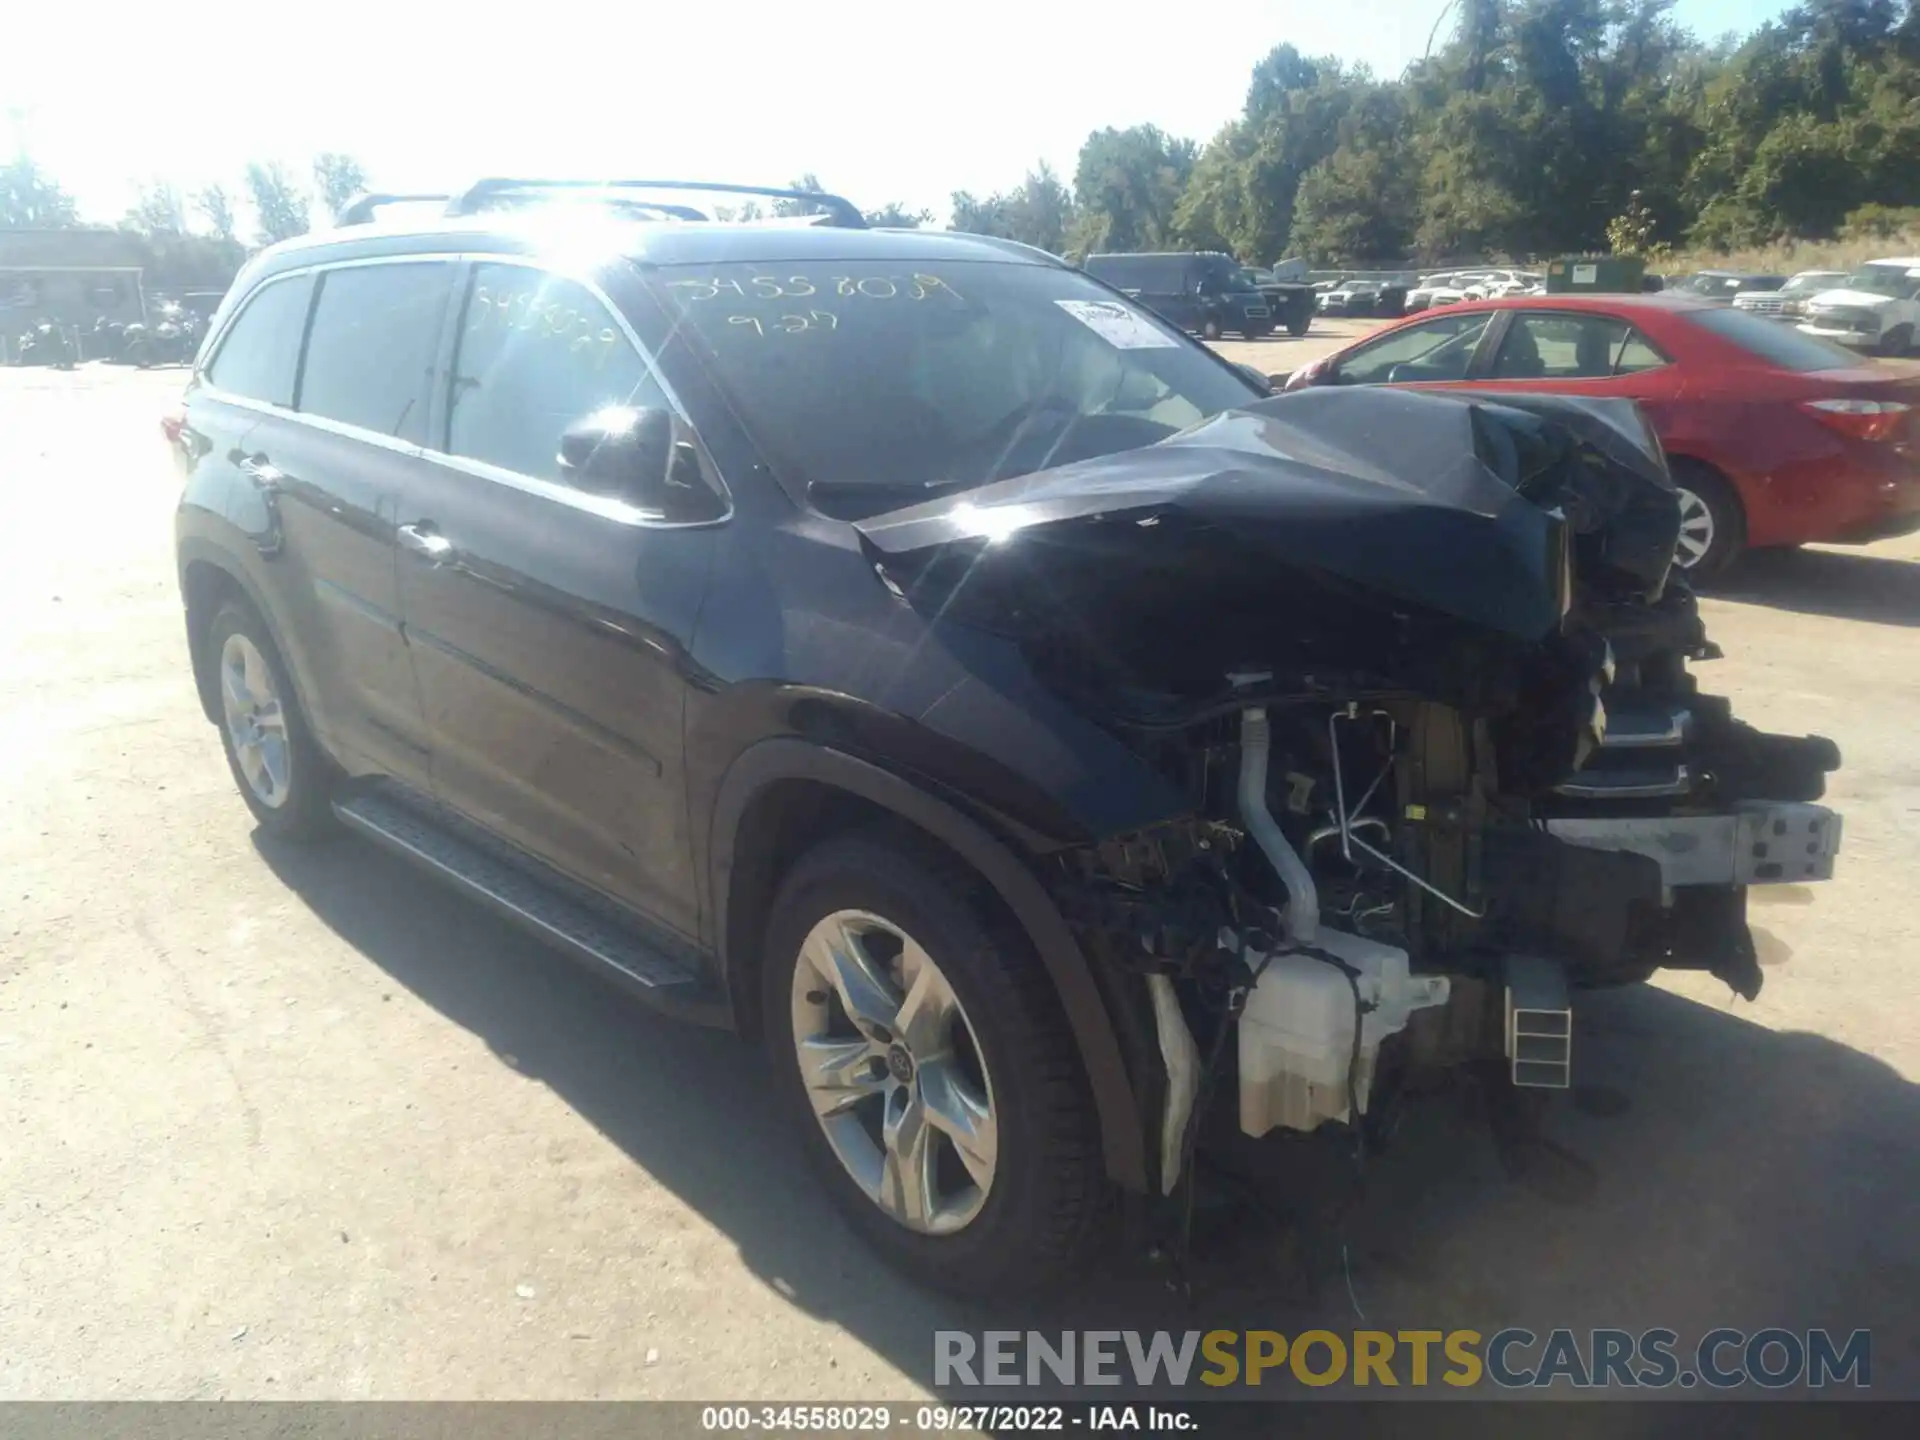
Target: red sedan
x: 1775, y: 437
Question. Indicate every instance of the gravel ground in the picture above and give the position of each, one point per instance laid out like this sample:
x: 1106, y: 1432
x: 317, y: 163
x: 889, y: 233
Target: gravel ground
x: 281, y: 1123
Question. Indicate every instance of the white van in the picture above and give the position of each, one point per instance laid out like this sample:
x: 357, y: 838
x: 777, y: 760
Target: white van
x: 1877, y: 309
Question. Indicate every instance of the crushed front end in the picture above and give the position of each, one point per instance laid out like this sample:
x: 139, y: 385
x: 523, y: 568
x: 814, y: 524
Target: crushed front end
x: 1418, y: 666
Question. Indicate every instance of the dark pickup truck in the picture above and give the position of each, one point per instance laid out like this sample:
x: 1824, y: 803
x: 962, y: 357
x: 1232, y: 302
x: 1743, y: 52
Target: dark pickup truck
x: 1292, y: 301
x: 1207, y: 293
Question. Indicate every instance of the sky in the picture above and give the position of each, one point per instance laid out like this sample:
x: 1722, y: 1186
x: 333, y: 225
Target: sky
x: 884, y: 101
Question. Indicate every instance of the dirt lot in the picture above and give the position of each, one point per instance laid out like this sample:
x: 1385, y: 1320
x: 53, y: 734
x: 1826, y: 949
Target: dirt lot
x: 279, y: 1124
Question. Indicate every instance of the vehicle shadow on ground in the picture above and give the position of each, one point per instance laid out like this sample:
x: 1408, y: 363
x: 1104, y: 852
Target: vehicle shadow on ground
x: 1708, y: 1172
x: 1848, y: 585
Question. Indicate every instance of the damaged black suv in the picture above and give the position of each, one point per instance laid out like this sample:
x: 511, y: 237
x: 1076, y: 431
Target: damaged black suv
x: 901, y: 646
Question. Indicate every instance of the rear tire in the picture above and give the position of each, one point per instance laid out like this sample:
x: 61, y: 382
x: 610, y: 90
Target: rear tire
x: 280, y: 771
x: 1713, y: 523
x: 892, y: 920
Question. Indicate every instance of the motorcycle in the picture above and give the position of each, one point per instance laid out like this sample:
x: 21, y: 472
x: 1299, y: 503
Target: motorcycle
x: 137, y: 345
x: 172, y: 341
x: 107, y: 341
x: 47, y: 344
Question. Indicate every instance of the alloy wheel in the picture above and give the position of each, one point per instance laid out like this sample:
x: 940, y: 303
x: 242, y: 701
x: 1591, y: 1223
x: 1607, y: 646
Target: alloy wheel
x: 894, y: 1072
x: 1696, y: 529
x: 256, y: 721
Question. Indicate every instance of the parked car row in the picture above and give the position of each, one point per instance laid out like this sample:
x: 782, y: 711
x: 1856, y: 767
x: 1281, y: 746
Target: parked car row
x: 1874, y: 308
x: 1722, y: 287
x: 1775, y: 436
x: 1458, y: 287
x: 1787, y: 300
x: 1363, y: 297
x: 1877, y: 308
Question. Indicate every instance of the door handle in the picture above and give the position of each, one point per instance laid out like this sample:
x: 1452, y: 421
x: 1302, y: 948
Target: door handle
x: 266, y: 477
x: 422, y: 540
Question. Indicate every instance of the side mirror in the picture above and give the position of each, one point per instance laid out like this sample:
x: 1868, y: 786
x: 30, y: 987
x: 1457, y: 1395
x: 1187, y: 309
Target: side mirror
x: 631, y: 455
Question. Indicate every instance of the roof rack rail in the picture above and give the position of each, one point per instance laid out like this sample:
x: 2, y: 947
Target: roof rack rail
x: 840, y: 212
x: 359, y: 210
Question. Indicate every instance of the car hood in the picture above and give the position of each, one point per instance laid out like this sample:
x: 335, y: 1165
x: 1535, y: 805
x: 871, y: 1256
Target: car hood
x: 1442, y: 505
x: 1858, y: 299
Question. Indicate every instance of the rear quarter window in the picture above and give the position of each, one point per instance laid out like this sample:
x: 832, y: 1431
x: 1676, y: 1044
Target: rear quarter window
x: 1777, y: 344
x: 260, y: 352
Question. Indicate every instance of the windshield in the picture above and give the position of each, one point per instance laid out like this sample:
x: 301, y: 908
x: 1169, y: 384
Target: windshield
x: 1780, y: 345
x: 906, y: 380
x: 1250, y: 279
x: 1805, y: 284
x: 1894, y: 280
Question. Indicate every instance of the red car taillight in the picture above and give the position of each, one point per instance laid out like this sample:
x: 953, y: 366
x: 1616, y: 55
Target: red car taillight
x: 172, y: 423
x: 1862, y: 419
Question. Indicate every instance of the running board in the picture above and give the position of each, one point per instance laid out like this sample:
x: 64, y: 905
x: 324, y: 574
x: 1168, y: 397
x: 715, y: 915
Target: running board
x: 553, y: 909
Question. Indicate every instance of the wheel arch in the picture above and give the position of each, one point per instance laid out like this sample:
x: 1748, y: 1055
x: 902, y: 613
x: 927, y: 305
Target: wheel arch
x: 1682, y: 462
x: 209, y: 576
x: 208, y: 579
x: 783, y: 795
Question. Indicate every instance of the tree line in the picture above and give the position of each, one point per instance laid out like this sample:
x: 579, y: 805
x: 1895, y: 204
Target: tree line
x: 1532, y: 128
x: 1539, y: 127
x: 191, y: 239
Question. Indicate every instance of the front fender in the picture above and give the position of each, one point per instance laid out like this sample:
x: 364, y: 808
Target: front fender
x: 783, y: 759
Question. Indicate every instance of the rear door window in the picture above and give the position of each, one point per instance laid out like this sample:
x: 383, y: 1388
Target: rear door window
x: 536, y: 353
x: 1543, y: 345
x: 1780, y: 345
x: 376, y: 329
x: 261, y: 351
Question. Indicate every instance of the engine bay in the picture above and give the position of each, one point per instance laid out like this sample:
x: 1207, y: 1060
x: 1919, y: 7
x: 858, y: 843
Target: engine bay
x: 1419, y: 672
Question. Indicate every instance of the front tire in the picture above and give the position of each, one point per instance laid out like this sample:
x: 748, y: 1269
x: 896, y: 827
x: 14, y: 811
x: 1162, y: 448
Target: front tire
x: 918, y: 1045
x: 1210, y: 329
x: 278, y: 768
x: 1898, y: 342
x: 1713, y: 523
